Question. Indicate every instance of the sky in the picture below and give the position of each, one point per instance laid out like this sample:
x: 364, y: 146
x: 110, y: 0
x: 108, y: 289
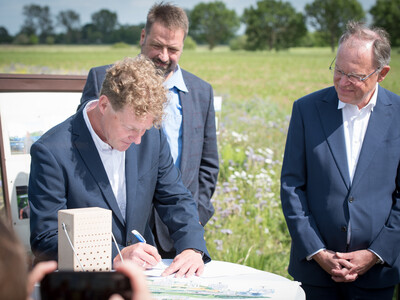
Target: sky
x: 132, y: 12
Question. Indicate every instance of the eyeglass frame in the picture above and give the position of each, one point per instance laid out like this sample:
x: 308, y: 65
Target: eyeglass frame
x: 349, y: 75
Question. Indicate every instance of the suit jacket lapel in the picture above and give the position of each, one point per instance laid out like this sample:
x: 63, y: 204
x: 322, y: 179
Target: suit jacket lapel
x: 379, y: 122
x: 332, y: 124
x: 86, y: 147
x: 133, y: 211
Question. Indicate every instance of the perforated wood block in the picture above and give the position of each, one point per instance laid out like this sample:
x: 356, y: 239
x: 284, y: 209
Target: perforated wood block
x: 89, y: 230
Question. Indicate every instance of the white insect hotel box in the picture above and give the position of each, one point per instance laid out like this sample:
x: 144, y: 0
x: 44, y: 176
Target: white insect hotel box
x: 89, y: 235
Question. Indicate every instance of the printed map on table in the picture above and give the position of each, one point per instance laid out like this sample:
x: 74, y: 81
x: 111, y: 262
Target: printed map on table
x: 241, y: 283
x: 172, y: 288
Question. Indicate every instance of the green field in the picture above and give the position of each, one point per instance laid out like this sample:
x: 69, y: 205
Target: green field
x: 258, y: 89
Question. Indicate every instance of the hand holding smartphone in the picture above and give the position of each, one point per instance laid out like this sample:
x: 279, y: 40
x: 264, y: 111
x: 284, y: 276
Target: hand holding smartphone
x: 84, y: 285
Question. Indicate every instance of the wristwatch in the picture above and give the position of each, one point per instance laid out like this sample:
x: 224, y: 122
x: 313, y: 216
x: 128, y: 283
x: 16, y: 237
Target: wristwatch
x: 379, y: 261
x: 198, y: 251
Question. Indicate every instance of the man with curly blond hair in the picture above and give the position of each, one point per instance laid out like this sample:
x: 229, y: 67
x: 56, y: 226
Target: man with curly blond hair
x: 110, y: 155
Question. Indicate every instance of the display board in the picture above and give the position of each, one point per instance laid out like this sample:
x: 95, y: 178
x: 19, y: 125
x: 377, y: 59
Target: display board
x: 29, y: 106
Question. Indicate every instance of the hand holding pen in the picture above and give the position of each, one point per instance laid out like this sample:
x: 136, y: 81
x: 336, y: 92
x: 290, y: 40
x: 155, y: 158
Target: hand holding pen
x: 142, y: 254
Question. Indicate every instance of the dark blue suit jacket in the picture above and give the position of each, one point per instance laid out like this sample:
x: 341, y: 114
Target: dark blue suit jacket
x: 199, y: 161
x: 67, y: 172
x: 318, y: 199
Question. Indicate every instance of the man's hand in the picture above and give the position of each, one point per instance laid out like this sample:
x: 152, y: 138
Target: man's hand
x: 361, y: 260
x: 338, y: 267
x: 143, y: 255
x: 187, y: 263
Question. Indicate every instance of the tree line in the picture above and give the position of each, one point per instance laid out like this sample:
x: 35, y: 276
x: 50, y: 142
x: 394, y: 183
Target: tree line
x: 271, y: 24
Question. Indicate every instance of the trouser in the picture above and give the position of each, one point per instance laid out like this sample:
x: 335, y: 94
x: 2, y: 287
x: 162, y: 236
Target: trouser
x: 346, y: 291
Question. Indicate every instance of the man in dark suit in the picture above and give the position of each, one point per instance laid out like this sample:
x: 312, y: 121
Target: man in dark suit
x: 109, y: 155
x: 340, y: 181
x: 190, y: 122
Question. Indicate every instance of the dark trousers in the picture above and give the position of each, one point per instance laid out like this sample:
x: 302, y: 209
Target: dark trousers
x: 346, y: 291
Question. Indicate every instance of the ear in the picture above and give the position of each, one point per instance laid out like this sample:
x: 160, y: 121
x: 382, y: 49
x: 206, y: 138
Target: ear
x: 142, y: 37
x: 103, y: 103
x: 382, y: 74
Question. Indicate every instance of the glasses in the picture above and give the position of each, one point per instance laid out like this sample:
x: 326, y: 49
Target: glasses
x: 353, y: 78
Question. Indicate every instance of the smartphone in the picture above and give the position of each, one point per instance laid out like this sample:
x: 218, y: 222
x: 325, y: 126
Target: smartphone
x: 84, y: 285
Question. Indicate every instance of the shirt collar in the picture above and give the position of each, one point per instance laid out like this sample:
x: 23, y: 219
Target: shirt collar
x: 371, y: 104
x: 176, y: 80
x: 100, y: 145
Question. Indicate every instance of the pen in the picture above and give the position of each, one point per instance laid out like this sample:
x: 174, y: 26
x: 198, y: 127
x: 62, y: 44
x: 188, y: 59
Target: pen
x: 138, y: 236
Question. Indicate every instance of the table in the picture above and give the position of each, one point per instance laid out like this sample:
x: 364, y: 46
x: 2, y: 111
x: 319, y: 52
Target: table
x: 220, y: 280
x: 223, y: 280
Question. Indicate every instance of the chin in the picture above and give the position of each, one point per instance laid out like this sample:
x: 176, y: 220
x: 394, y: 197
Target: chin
x: 123, y: 147
x: 346, y: 97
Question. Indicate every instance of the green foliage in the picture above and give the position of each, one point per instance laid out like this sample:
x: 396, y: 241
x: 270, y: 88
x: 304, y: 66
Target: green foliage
x: 23, y: 39
x: 238, y: 43
x: 213, y: 23
x: 313, y: 39
x: 129, y: 34
x: 190, y: 43
x: 104, y: 23
x: 5, y: 38
x: 273, y: 25
x: 50, y: 40
x: 329, y: 17
x: 37, y: 21
x: 70, y: 21
x: 386, y: 14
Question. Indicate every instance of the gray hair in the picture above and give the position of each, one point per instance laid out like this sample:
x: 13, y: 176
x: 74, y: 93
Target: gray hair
x: 379, y: 37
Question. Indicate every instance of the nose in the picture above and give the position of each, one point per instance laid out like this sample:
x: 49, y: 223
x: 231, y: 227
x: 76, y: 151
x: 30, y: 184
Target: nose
x: 344, y: 79
x: 163, y: 56
x: 137, y: 137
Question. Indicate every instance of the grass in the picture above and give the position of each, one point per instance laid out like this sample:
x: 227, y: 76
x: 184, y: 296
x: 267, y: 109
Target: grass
x: 258, y: 89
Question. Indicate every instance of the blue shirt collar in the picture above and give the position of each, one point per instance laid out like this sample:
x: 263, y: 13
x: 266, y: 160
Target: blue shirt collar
x: 176, y: 81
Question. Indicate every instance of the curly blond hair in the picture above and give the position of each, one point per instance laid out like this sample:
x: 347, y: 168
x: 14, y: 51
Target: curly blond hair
x: 136, y: 83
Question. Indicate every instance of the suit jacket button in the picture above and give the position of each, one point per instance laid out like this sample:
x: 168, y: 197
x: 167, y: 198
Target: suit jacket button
x: 351, y: 199
x: 343, y: 228
x: 129, y: 243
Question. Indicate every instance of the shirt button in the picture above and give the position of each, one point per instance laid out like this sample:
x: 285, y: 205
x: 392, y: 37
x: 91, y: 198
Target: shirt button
x: 351, y: 199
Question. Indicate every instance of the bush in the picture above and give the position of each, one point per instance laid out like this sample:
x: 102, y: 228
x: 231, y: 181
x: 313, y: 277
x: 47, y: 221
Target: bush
x: 190, y: 44
x: 50, y: 40
x: 23, y: 39
x: 238, y: 43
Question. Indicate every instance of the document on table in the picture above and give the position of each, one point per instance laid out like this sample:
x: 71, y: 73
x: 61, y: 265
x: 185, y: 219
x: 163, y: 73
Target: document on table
x: 222, y: 280
x: 157, y: 270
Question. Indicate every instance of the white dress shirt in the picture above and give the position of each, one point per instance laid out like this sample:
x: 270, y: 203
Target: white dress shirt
x: 355, y: 123
x: 113, y: 162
